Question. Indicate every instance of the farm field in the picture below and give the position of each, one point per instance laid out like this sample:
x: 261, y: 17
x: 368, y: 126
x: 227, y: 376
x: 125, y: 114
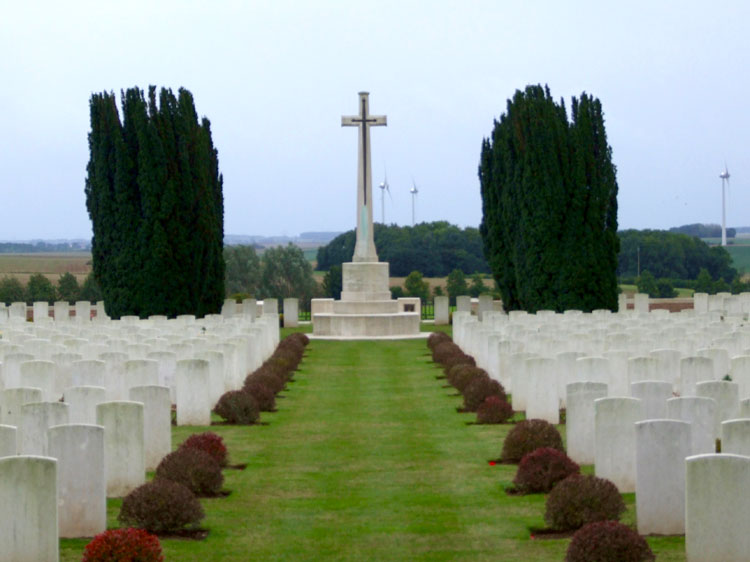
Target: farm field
x: 52, y: 265
x: 368, y: 459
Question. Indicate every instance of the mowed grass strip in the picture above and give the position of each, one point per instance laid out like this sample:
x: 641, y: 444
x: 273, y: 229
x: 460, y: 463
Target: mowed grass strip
x: 367, y: 459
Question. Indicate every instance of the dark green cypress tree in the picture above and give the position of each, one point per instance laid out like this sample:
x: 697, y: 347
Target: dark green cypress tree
x: 549, y: 205
x: 154, y: 195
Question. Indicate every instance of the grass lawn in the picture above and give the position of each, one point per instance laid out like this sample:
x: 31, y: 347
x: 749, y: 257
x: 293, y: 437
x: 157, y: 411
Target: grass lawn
x: 367, y: 459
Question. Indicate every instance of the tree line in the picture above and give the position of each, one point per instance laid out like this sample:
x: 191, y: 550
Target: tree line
x: 432, y: 248
x: 41, y: 289
x: 703, y: 230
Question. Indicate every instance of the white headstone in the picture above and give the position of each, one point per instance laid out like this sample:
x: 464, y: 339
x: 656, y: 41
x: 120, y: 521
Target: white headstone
x: 124, y: 457
x: 614, y: 429
x: 654, y: 396
x: 13, y: 399
x: 157, y: 429
x: 8, y: 441
x: 141, y: 372
x: 82, y: 402
x: 83, y: 311
x: 81, y: 486
x: 442, y: 311
x: 39, y: 374
x: 463, y: 303
x: 89, y: 372
x: 579, y: 419
x: 193, y: 392
x: 717, y: 516
x: 735, y: 437
x: 661, y: 449
x: 701, y: 413
x: 542, y: 401
x: 291, y: 313
x: 28, y: 519
x: 61, y: 311
x: 693, y: 370
x: 739, y: 370
x: 36, y: 419
x: 727, y: 397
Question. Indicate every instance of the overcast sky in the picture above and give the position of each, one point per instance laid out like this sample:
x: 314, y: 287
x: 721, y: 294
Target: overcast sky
x: 275, y: 77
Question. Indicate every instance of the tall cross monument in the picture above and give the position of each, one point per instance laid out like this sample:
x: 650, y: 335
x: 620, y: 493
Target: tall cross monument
x: 364, y: 249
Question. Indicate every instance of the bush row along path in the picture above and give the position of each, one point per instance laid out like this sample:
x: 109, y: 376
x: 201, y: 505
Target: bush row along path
x: 367, y: 459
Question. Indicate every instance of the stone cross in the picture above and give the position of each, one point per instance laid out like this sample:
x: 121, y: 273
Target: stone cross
x: 364, y: 250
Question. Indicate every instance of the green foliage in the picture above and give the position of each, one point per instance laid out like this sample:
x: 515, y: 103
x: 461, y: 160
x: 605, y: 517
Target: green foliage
x: 161, y: 506
x: 285, y: 273
x: 11, y: 290
x: 456, y: 285
x: 90, y: 290
x: 581, y: 499
x: 437, y: 291
x: 665, y: 289
x: 549, y: 205
x: 242, y: 271
x: 154, y: 195
x: 433, y: 248
x: 602, y: 541
x: 477, y: 286
x: 528, y: 436
x: 704, y: 283
x: 397, y: 292
x: 40, y: 289
x: 68, y: 289
x: 647, y: 284
x: 333, y: 282
x: 416, y: 286
x: 671, y: 255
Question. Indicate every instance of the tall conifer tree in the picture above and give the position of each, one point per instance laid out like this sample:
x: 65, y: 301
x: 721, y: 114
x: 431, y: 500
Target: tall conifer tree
x: 549, y: 202
x: 154, y: 195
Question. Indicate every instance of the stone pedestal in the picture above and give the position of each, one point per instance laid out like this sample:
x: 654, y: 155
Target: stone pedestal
x: 366, y: 309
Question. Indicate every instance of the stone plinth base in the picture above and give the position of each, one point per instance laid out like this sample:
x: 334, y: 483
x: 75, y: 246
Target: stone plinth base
x: 366, y: 325
x: 365, y: 281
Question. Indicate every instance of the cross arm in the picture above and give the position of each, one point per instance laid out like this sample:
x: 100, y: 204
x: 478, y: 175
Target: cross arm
x: 351, y: 121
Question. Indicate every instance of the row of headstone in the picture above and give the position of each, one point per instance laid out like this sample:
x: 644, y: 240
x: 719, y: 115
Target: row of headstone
x: 639, y: 412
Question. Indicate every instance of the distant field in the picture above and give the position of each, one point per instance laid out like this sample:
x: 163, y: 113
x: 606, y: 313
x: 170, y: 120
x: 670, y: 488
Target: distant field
x: 23, y: 266
x: 740, y: 257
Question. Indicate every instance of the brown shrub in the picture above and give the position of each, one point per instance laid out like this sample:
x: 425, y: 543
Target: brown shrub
x: 527, y: 436
x: 160, y: 506
x: 582, y: 499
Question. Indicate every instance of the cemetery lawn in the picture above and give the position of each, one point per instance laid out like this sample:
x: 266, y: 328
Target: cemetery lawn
x: 367, y: 459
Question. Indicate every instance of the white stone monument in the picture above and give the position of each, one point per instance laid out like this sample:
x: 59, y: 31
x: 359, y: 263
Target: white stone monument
x: 81, y: 487
x: 157, y: 428
x: 717, y: 513
x: 193, y: 392
x: 661, y: 449
x: 8, y: 443
x: 442, y: 311
x: 580, y: 419
x: 614, y: 450
x: 28, y: 520
x: 124, y: 458
x: 701, y: 413
x: 366, y: 309
x: 291, y: 313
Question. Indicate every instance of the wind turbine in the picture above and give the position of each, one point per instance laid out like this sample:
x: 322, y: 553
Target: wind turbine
x: 383, y: 188
x: 413, y: 192
x: 724, y: 181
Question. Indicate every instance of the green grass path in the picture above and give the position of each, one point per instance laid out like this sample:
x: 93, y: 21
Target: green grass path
x: 367, y: 459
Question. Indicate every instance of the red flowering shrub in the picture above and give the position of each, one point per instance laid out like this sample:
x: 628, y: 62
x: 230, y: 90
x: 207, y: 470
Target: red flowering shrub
x: 479, y: 388
x: 494, y: 409
x: 238, y: 407
x: 210, y: 443
x: 527, y: 436
x: 540, y: 470
x: 160, y: 506
x: 603, y: 541
x: 123, y: 545
x: 582, y: 499
x: 194, y: 469
x: 263, y: 395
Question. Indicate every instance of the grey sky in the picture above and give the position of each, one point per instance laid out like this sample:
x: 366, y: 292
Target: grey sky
x: 274, y: 78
